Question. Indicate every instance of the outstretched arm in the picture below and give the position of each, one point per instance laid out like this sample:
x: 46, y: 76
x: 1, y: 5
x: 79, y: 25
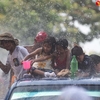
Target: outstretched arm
x: 37, y: 51
x: 68, y: 59
x: 42, y: 58
x: 5, y: 68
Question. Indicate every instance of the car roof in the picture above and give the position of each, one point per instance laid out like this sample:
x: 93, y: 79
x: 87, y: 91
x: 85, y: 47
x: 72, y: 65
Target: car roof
x: 87, y: 83
x: 57, y: 81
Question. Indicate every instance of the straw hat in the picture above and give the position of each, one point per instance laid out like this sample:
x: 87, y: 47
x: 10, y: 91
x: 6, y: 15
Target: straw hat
x: 8, y: 37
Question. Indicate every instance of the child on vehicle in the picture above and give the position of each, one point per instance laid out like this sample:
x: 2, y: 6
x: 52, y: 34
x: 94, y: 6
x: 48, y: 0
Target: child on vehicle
x: 62, y: 57
x: 85, y: 63
x: 43, y: 56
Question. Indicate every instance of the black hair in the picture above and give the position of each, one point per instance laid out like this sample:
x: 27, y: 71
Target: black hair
x: 95, y: 58
x: 63, y: 43
x: 51, y: 41
x: 77, y: 50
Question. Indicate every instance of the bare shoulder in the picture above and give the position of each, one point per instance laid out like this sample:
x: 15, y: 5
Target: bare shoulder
x: 29, y: 48
x: 32, y: 48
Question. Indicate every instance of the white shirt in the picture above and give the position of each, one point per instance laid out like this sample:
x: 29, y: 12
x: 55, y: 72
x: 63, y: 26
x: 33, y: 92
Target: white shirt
x: 46, y: 64
x: 19, y: 53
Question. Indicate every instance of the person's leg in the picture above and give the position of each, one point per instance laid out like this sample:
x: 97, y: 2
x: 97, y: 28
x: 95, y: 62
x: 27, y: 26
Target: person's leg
x: 36, y: 72
x: 42, y: 73
x: 39, y: 72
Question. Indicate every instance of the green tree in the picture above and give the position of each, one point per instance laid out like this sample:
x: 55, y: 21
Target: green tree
x: 57, y: 17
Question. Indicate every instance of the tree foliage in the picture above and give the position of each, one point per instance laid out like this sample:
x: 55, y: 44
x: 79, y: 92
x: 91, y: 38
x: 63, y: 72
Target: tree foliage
x: 57, y: 17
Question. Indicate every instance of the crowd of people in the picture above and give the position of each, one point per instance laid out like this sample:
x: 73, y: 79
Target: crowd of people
x: 49, y: 57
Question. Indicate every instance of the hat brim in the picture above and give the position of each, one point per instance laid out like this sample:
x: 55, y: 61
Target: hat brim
x: 8, y: 39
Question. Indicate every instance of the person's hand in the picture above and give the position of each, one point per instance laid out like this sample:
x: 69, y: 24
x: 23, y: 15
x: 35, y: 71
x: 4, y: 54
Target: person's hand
x: 21, y: 62
x: 48, y: 74
x: 63, y: 72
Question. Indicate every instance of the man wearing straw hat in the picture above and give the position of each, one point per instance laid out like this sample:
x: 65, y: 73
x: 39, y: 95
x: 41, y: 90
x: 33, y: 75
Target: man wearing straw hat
x: 16, y: 54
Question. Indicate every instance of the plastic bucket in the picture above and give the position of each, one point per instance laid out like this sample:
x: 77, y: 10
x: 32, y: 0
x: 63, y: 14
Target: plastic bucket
x: 26, y: 64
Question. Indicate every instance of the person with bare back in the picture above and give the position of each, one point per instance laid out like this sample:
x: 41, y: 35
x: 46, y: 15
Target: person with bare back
x: 40, y: 37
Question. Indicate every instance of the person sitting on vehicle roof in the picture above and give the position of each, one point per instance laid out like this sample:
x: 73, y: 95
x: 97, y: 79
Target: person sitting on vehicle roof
x: 61, y: 66
x: 85, y: 63
x: 40, y: 37
x: 62, y: 57
x: 43, y: 56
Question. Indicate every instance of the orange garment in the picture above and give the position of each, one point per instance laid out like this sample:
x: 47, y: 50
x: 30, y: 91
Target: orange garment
x: 13, y: 79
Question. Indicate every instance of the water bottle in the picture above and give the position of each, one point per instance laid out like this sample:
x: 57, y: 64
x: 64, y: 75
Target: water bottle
x: 74, y: 66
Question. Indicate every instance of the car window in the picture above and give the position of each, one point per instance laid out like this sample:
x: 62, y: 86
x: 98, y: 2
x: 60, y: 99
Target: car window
x: 47, y: 92
x: 36, y: 93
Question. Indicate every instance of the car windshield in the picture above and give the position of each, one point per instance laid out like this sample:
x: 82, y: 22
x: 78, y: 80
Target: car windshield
x: 35, y: 93
x: 27, y: 93
x: 47, y: 92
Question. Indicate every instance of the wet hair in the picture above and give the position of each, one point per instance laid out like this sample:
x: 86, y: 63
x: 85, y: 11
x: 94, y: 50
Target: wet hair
x: 77, y: 50
x: 63, y: 43
x: 51, y: 41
